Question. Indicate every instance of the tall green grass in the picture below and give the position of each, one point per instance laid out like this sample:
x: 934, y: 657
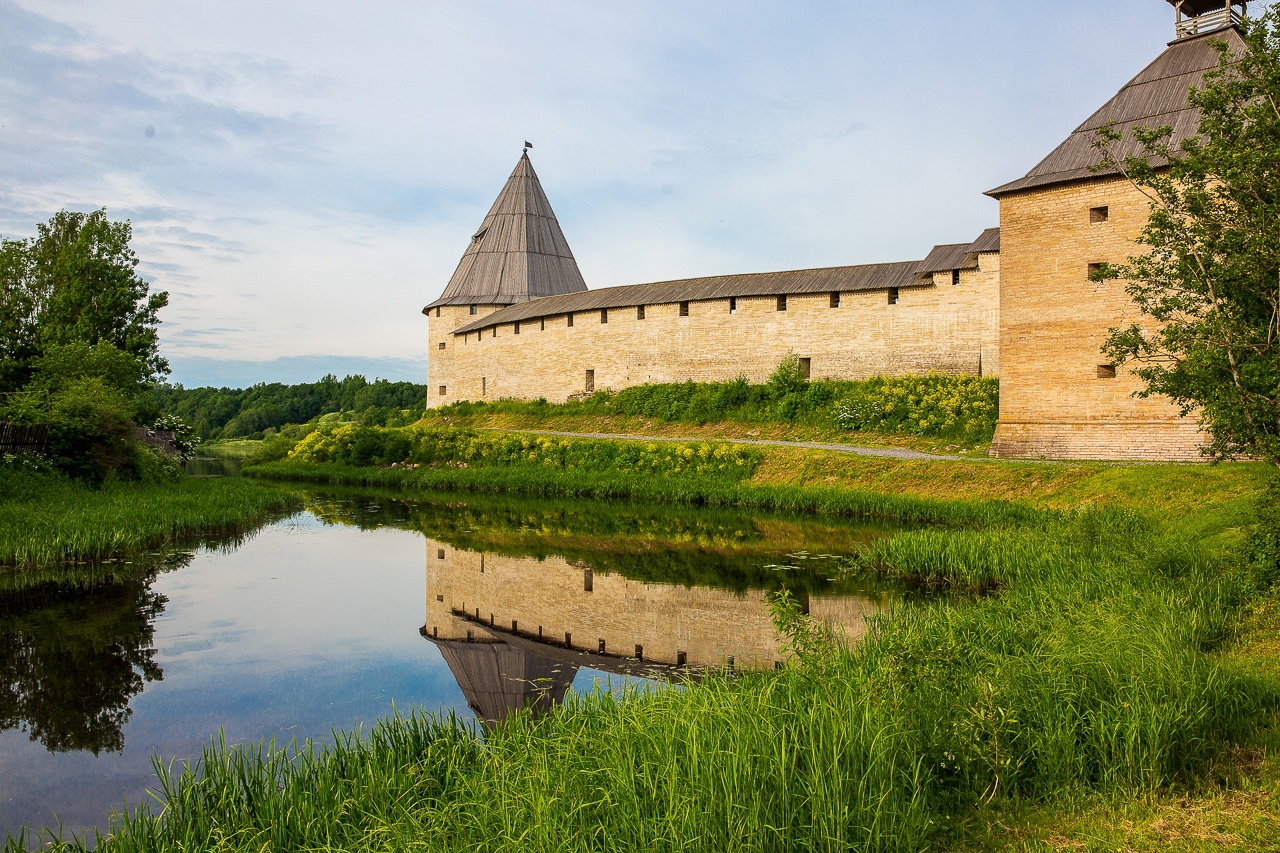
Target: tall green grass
x: 47, y: 519
x: 782, y: 763
x: 1090, y: 669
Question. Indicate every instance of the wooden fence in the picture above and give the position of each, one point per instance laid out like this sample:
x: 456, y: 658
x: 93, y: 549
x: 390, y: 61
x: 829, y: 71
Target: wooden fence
x: 15, y: 438
x: 160, y: 438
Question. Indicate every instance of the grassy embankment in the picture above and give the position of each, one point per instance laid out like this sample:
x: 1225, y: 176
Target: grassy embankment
x: 1107, y: 684
x: 504, y: 417
x: 949, y: 414
x: 46, y: 518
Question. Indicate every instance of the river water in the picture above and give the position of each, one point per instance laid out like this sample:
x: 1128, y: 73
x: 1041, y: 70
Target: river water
x: 366, y: 603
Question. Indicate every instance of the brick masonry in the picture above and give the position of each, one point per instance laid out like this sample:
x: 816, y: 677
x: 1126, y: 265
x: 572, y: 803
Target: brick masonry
x: 1029, y: 314
x: 940, y: 327
x: 1053, y: 322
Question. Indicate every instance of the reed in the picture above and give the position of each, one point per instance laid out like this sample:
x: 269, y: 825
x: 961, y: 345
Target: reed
x: 782, y: 763
x: 47, y: 519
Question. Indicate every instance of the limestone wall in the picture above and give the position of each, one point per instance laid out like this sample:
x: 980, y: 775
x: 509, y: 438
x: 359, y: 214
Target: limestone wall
x: 1054, y: 399
x: 442, y: 381
x: 550, y: 598
x: 942, y: 327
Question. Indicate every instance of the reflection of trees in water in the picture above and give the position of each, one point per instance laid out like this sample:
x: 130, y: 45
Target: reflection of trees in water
x: 73, y: 655
x: 718, y: 547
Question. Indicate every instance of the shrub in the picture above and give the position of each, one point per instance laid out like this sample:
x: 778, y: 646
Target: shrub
x: 932, y: 405
x: 961, y: 407
x: 91, y: 429
x: 184, y: 437
x: 354, y: 444
x: 149, y: 464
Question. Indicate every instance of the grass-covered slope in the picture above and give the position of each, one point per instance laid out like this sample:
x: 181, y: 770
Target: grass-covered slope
x: 47, y: 518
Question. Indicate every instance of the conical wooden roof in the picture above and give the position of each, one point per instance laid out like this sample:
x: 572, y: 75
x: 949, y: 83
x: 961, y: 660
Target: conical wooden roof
x: 519, y: 252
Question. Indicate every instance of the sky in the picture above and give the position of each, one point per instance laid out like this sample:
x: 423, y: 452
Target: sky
x: 303, y: 176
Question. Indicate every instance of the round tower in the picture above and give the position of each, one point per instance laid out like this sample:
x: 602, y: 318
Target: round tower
x: 518, y: 253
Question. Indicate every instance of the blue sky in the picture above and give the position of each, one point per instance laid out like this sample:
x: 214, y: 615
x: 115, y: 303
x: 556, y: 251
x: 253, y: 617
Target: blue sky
x: 303, y: 176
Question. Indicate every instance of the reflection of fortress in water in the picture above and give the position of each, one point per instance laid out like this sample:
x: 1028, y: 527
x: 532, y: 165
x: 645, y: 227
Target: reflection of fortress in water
x: 515, y: 630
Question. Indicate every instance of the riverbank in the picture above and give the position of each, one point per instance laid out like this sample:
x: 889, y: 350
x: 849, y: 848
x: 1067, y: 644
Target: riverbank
x: 513, y: 418
x: 1127, y: 665
x: 48, y: 519
x: 1216, y: 500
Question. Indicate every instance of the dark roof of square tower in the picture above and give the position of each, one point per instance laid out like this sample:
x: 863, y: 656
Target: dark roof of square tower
x: 1156, y: 97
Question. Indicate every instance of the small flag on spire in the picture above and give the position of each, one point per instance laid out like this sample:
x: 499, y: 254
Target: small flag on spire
x: 528, y: 144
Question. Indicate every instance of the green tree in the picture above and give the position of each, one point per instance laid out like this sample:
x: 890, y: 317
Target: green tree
x: 1210, y: 282
x: 75, y: 281
x: 17, y: 312
x: 61, y: 364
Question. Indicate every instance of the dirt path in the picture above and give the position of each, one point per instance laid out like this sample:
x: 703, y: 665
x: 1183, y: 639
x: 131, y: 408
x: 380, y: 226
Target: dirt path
x: 886, y: 452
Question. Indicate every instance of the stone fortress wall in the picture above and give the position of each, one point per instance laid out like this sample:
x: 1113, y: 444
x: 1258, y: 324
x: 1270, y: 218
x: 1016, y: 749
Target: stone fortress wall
x: 1026, y: 311
x: 938, y: 326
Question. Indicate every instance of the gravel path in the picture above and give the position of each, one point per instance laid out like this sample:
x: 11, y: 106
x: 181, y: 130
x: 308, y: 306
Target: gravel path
x: 886, y: 452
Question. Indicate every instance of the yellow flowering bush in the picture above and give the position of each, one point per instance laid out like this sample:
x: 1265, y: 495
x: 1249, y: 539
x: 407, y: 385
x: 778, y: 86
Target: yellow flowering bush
x: 364, y: 445
x: 933, y: 405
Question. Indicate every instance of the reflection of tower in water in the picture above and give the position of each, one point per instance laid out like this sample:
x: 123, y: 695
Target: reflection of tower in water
x: 516, y: 629
x: 498, y: 680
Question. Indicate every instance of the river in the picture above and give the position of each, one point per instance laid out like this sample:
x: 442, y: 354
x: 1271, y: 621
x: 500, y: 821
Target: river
x: 365, y: 603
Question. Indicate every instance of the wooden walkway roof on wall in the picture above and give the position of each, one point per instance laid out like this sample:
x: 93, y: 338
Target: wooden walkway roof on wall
x: 824, y: 280
x: 960, y: 256
x: 519, y: 253
x: 1156, y: 97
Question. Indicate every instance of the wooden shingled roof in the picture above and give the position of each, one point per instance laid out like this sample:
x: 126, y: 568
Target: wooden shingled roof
x: 519, y: 252
x: 1199, y: 7
x: 1156, y: 97
x: 824, y: 280
x: 960, y: 256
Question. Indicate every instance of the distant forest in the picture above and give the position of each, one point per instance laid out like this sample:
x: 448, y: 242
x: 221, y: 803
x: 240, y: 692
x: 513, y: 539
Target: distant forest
x: 263, y: 409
